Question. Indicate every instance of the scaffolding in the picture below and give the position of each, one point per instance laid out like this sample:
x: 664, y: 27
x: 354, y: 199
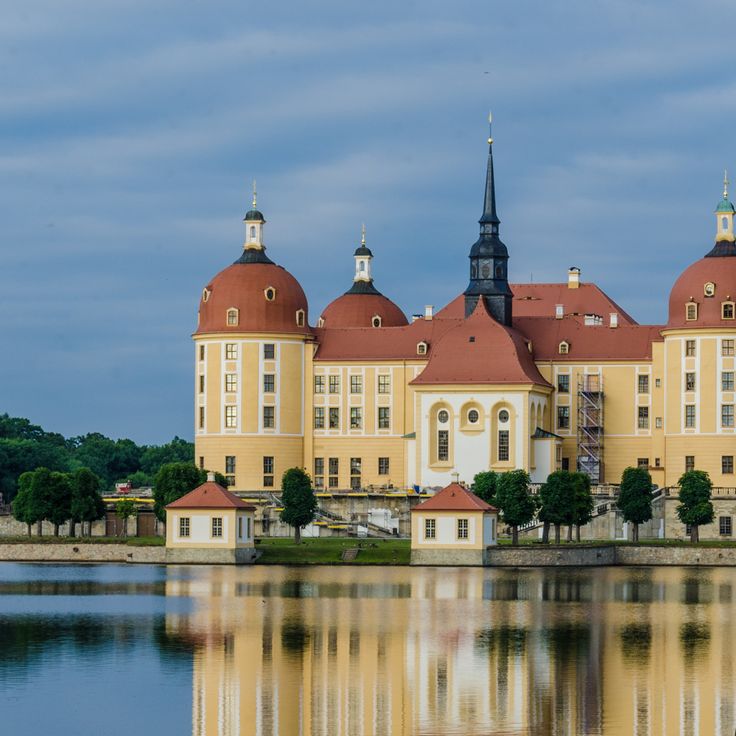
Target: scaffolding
x: 590, y: 426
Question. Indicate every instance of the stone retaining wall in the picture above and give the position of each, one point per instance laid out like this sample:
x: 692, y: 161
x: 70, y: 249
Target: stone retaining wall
x: 646, y: 555
x: 81, y: 553
x: 449, y: 557
x: 551, y: 556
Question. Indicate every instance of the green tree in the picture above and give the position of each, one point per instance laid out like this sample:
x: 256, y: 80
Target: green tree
x: 176, y: 451
x: 22, y: 506
x: 557, y: 499
x: 38, y: 496
x: 695, y: 507
x: 513, y: 498
x: 484, y: 485
x: 124, y: 509
x: 87, y: 504
x: 58, y: 499
x: 19, y: 455
x: 584, y: 503
x: 108, y: 459
x: 635, y: 497
x: 139, y: 479
x: 298, y: 499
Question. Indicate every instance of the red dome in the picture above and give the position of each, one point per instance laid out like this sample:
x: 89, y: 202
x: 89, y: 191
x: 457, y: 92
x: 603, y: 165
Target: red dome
x: 720, y: 271
x: 268, y: 299
x: 358, y: 310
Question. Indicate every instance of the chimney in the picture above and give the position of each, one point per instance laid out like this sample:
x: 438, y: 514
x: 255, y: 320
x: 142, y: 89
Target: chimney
x: 573, y: 277
x: 559, y: 311
x: 428, y: 311
x: 614, y: 319
x: 210, y: 477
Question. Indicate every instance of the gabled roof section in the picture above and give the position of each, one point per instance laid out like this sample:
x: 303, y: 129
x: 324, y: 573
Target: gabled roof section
x: 455, y: 498
x: 480, y: 350
x: 210, y: 495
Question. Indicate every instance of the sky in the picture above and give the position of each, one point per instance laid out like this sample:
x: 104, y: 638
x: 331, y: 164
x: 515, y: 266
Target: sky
x: 131, y: 130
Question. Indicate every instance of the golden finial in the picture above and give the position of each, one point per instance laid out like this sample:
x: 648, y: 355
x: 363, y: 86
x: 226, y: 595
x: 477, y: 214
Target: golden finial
x: 254, y: 194
x: 490, y: 128
x: 362, y: 235
x: 725, y: 184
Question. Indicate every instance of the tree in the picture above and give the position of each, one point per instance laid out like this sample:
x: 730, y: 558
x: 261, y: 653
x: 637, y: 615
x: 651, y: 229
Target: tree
x: 635, y: 497
x: 484, y: 485
x: 173, y: 481
x: 298, y: 499
x: 22, y: 505
x: 87, y: 504
x: 38, y: 498
x: 695, y: 506
x: 176, y: 451
x: 58, y: 499
x: 557, y: 497
x: 583, y: 511
x: 513, y: 498
x: 139, y: 479
x: 124, y: 509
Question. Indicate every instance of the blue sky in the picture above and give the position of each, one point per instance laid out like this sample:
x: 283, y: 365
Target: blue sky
x: 130, y: 132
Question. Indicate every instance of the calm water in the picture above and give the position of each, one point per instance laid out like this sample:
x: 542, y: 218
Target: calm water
x: 143, y: 650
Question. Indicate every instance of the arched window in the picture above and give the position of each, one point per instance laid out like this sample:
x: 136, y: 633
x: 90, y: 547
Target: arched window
x: 724, y: 223
x: 376, y: 320
x: 252, y: 232
x: 232, y: 317
x: 421, y: 348
x: 205, y: 294
x: 300, y: 317
x: 499, y: 272
x: 564, y: 348
x: 691, y: 311
x: 361, y: 266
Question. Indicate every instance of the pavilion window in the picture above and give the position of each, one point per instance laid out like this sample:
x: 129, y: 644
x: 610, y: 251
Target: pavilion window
x: 443, y: 445
x: 503, y: 445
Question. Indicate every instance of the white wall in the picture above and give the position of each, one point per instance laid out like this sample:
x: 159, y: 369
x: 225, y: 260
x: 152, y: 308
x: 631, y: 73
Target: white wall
x: 446, y: 529
x: 200, y: 530
x: 490, y: 525
x: 543, y: 456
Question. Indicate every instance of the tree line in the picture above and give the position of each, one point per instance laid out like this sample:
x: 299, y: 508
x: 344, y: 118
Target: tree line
x: 565, y: 500
x: 25, y: 446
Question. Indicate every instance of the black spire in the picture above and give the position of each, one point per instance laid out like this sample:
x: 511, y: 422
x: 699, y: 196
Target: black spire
x: 489, y: 257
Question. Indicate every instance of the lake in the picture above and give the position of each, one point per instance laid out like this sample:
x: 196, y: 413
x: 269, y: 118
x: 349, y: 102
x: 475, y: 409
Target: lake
x: 135, y: 650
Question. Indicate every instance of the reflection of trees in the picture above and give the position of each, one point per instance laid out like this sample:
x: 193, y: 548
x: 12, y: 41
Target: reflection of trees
x: 295, y: 637
x: 694, y: 639
x: 636, y: 642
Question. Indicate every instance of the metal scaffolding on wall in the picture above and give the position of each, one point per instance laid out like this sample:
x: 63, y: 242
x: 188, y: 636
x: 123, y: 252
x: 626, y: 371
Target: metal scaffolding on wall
x: 590, y: 426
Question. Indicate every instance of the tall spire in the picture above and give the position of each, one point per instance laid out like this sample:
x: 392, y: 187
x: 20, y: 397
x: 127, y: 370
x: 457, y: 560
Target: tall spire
x: 490, y: 217
x: 725, y: 183
x: 255, y: 195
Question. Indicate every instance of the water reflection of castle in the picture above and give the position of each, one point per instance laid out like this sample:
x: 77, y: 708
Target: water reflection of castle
x: 466, y: 651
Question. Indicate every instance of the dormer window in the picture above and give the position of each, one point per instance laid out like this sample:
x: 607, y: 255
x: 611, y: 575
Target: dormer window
x: 270, y: 293
x: 421, y: 348
x: 205, y: 294
x: 300, y: 318
x: 321, y: 322
x: 376, y: 320
x: 691, y: 311
x: 564, y: 348
x: 727, y: 310
x: 232, y: 317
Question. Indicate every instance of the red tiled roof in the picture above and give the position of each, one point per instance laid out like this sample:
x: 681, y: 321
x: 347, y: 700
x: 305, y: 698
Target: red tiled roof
x: 210, y: 496
x: 358, y: 310
x: 455, y: 498
x: 480, y: 350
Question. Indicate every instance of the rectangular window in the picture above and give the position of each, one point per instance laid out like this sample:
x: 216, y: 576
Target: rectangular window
x: 724, y: 526
x: 690, y: 348
x: 356, y: 384
x: 657, y: 382
x: 503, y: 445
x: 565, y: 463
x: 430, y: 528
x: 689, y: 415
x: 727, y: 310
x: 217, y: 526
x: 563, y: 383
x: 691, y: 311
x: 462, y: 528
x: 201, y: 462
x: 334, y: 384
x: 231, y: 382
x: 383, y: 466
x: 269, y: 351
x: 355, y: 468
x: 443, y: 445
x: 231, y: 417
x: 229, y: 480
x: 727, y: 415
x: 240, y: 527
x: 643, y: 383
x: 184, y: 526
x: 319, y: 417
x: 269, y: 417
x: 269, y: 383
x: 689, y: 382
x: 356, y: 417
x: 334, y: 418
x: 201, y: 384
x: 727, y: 381
x: 384, y: 417
x: 642, y: 462
x: 319, y: 384
x: 658, y: 422
x: 689, y: 463
x: 229, y: 463
x: 201, y: 417
x: 201, y: 352
x: 319, y: 472
x: 384, y: 384
x: 563, y: 417
x: 334, y: 470
x: 727, y: 348
x: 643, y: 419
x: 231, y: 351
x: 268, y: 471
x: 727, y: 464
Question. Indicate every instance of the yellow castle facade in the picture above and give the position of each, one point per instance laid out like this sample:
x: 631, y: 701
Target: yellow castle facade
x: 507, y: 375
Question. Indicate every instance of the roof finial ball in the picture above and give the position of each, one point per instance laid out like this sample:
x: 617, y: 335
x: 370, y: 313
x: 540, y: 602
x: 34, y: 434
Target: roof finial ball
x: 724, y: 215
x: 254, y: 222
x: 490, y: 128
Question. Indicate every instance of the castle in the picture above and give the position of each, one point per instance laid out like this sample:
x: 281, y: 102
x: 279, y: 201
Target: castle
x: 533, y: 376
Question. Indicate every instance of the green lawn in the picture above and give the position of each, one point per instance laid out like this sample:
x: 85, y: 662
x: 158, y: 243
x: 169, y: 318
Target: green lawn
x: 132, y: 541
x: 328, y: 551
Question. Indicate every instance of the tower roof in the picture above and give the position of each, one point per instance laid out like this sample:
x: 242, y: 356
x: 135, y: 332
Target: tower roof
x: 489, y: 215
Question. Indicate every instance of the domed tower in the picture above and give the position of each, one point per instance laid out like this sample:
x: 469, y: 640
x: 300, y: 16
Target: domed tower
x: 362, y: 305
x: 700, y: 339
x: 489, y: 257
x: 250, y: 366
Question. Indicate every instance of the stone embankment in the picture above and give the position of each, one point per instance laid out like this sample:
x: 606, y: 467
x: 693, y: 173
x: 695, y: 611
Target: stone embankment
x: 22, y: 552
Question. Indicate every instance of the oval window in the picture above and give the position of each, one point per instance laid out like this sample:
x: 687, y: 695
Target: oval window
x: 503, y: 416
x: 473, y: 416
x: 443, y: 416
x: 270, y: 293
